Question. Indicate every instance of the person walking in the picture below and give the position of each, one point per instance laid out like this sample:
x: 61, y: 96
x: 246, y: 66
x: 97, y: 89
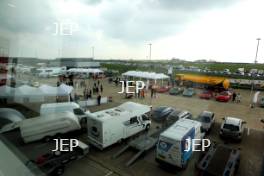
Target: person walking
x: 238, y: 98
x: 139, y: 93
x: 151, y: 92
x: 143, y: 93
x: 101, y: 88
x: 234, y: 97
x: 99, y: 99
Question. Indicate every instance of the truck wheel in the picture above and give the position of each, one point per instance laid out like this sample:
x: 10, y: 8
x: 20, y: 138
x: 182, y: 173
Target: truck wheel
x: 184, y: 166
x: 47, y: 138
x: 59, y: 170
x: 147, y: 127
x: 74, y: 157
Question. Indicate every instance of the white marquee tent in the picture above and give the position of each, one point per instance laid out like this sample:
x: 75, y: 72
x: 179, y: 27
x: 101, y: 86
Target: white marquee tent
x: 25, y: 93
x: 85, y: 70
x: 146, y: 75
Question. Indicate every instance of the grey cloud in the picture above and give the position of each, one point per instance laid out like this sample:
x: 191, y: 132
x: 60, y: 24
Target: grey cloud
x: 29, y: 16
x: 91, y: 2
x: 152, y: 19
x: 188, y: 5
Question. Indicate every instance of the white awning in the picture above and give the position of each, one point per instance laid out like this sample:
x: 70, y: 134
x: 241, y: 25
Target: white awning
x: 84, y: 70
x: 146, y: 75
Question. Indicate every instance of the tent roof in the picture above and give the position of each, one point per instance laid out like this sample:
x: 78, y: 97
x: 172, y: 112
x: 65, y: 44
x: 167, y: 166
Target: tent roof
x: 62, y: 90
x: 43, y: 90
x: 27, y: 90
x: 147, y: 75
x: 85, y: 70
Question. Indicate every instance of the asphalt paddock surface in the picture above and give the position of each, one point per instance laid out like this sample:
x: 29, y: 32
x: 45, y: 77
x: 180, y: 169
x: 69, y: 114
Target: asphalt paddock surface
x: 101, y: 163
x: 251, y: 149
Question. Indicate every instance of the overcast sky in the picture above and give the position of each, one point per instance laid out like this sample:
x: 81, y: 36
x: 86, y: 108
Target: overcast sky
x: 222, y: 30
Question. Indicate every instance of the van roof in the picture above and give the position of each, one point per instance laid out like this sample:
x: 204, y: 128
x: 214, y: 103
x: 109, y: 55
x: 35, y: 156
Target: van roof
x: 180, y: 128
x: 48, y: 118
x: 54, y: 105
x: 125, y: 110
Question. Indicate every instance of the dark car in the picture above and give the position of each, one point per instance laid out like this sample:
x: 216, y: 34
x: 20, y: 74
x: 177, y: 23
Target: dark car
x: 160, y: 114
x: 176, y: 91
x: 176, y: 115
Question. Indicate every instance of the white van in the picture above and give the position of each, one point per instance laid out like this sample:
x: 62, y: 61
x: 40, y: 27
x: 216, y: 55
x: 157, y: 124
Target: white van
x: 175, y: 140
x: 112, y: 125
x: 73, y: 107
x: 44, y: 127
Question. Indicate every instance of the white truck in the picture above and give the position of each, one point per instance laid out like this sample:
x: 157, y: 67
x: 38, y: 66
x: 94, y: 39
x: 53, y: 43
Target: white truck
x: 112, y: 125
x: 45, y: 127
x: 73, y: 107
x: 174, y: 145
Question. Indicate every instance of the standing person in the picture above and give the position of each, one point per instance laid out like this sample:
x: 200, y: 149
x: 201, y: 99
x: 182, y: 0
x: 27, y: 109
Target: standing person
x: 90, y: 93
x: 155, y: 93
x: 98, y: 82
x: 234, y: 97
x: 99, y: 99
x: 151, y: 92
x: 139, y: 93
x: 101, y: 88
x: 97, y: 89
x: 143, y: 93
x: 84, y: 93
x: 238, y: 99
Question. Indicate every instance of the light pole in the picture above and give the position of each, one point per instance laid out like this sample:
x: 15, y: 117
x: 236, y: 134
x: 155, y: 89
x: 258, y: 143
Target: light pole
x: 258, y: 39
x: 150, y: 51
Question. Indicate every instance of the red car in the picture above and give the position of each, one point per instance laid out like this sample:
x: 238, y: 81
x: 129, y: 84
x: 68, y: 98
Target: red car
x: 163, y: 89
x: 206, y: 95
x: 223, y: 96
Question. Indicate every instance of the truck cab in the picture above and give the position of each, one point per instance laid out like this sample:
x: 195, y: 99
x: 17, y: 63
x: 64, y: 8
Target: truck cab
x: 137, y: 123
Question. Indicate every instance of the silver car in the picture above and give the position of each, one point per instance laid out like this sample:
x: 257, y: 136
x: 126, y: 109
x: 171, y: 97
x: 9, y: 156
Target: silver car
x: 232, y: 128
x: 207, y: 119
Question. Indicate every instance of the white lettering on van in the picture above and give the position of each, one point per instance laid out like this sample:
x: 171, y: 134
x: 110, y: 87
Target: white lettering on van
x: 192, y: 144
x: 65, y: 145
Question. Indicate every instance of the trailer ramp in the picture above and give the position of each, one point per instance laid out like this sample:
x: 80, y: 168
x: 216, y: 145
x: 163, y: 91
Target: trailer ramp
x: 142, y: 144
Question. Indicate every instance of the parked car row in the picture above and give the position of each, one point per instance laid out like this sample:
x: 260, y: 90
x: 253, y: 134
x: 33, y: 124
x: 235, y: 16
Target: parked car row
x: 224, y: 96
x: 110, y: 126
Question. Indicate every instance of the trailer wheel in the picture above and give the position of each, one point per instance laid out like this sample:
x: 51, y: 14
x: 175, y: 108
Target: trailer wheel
x: 47, y: 138
x: 147, y: 127
x: 59, y: 170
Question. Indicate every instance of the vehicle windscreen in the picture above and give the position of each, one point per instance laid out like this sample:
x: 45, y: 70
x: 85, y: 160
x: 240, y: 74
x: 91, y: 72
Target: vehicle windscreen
x: 231, y: 127
x: 78, y: 111
x: 205, y: 119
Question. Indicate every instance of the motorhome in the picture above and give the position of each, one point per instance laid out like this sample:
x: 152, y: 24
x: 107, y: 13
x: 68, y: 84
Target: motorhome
x: 73, y: 107
x: 112, y: 125
x: 45, y: 127
x: 174, y: 142
x: 50, y: 71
